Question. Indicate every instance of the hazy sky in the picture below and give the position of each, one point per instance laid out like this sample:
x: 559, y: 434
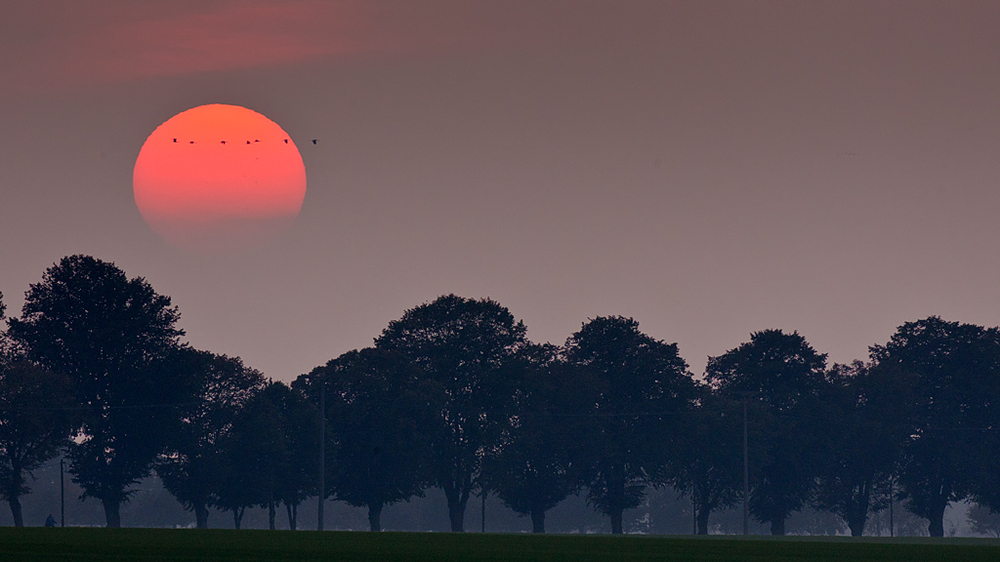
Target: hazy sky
x: 708, y: 168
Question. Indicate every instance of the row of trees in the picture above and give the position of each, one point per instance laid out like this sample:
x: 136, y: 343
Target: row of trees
x: 453, y: 395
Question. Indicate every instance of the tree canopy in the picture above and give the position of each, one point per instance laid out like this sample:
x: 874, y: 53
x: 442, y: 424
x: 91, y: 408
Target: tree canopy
x: 710, y: 464
x: 36, y: 420
x: 864, y: 409
x: 469, y: 347
x: 382, y: 410
x: 954, y: 412
x: 781, y: 375
x: 111, y: 336
x: 191, y: 465
x: 541, y: 457
x: 640, y: 392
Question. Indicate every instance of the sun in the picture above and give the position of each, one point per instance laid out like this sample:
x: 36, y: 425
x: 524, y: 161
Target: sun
x: 218, y: 177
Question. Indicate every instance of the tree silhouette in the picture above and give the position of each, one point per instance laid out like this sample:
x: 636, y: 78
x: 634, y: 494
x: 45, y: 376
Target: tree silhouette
x: 381, y: 408
x: 266, y: 456
x: 190, y: 468
x: 470, y: 348
x: 710, y: 467
x: 640, y: 392
x: 540, y: 459
x: 298, y: 479
x: 865, y: 411
x: 111, y: 335
x: 36, y: 420
x: 780, y: 374
x: 956, y: 369
x: 254, y: 453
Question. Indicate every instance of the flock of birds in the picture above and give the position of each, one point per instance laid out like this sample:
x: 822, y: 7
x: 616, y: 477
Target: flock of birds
x: 314, y: 141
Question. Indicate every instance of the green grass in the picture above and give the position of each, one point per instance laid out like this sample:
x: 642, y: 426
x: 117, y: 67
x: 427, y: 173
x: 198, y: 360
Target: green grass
x: 71, y: 544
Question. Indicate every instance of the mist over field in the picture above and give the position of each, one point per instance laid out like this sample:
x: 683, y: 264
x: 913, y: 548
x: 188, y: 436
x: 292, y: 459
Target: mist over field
x: 667, y: 513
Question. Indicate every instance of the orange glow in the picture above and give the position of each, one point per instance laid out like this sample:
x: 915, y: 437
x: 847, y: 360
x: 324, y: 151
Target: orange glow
x: 218, y: 177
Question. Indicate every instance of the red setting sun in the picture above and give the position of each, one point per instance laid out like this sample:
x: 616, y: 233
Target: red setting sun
x: 218, y: 177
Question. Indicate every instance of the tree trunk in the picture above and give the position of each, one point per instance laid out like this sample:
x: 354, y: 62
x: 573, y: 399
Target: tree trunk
x: 238, y: 517
x: 935, y: 511
x: 270, y: 515
x: 111, y: 512
x: 936, y: 527
x: 374, y: 517
x: 456, y: 508
x: 616, y: 522
x: 456, y: 513
x: 292, y: 509
x: 14, y: 486
x: 857, y: 523
x: 201, y: 515
x: 857, y: 509
x: 702, y: 518
x: 537, y: 521
x: 778, y: 527
x: 15, y: 510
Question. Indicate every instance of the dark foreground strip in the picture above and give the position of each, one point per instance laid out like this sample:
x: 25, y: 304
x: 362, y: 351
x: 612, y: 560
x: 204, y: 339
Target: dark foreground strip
x: 137, y: 545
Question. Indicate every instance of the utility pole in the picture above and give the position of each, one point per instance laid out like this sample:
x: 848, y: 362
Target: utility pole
x: 694, y: 512
x: 322, y: 452
x: 746, y: 473
x: 892, y: 528
x: 62, y: 496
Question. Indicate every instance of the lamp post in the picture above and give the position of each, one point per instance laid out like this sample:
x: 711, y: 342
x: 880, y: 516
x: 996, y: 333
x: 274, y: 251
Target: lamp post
x: 694, y: 510
x: 746, y: 473
x: 62, y: 496
x: 892, y: 492
x: 322, y: 453
x: 745, y: 395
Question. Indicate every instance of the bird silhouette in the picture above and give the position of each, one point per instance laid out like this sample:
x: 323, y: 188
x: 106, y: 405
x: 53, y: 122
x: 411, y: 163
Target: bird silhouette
x: 223, y: 142
x: 175, y: 140
x: 286, y: 141
x: 192, y: 142
x: 248, y: 142
x: 314, y: 141
x: 257, y: 140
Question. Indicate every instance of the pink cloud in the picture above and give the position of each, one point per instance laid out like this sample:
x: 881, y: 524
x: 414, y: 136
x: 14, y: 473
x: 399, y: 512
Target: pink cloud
x: 69, y: 44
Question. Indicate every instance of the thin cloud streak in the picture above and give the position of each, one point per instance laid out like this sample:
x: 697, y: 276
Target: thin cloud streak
x: 234, y: 36
x: 111, y: 42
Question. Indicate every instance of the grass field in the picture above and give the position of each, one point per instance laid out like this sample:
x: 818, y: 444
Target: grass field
x: 71, y: 544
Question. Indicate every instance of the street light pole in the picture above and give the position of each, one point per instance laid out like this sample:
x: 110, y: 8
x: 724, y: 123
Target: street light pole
x: 892, y: 493
x: 62, y: 496
x: 746, y: 473
x: 694, y: 511
x: 322, y: 453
